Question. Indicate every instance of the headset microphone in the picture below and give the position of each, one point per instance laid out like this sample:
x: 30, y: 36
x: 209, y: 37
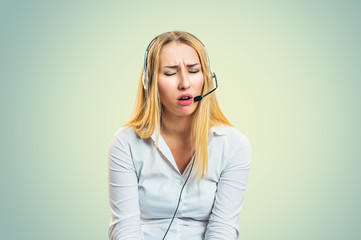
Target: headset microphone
x: 198, y: 98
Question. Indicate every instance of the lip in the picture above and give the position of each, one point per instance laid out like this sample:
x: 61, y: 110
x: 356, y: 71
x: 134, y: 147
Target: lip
x: 185, y: 102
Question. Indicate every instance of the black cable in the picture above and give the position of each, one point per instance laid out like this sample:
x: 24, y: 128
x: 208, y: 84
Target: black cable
x: 180, y: 195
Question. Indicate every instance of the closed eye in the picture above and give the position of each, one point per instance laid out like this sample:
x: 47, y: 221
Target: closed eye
x: 169, y: 74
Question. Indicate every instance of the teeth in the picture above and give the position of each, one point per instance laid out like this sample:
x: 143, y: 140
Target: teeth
x: 185, y: 98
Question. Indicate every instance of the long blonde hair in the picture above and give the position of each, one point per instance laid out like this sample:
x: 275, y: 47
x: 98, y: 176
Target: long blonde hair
x: 147, y: 113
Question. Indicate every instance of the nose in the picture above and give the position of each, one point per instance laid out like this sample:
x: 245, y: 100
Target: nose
x: 183, y: 80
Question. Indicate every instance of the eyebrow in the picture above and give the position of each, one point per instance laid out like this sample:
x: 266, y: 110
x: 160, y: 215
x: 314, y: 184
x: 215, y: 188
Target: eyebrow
x: 176, y: 66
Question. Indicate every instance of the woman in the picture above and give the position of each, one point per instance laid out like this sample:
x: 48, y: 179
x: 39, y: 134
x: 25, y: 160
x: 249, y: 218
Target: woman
x: 177, y: 169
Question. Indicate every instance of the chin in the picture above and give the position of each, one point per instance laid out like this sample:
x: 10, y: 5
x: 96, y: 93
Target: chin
x: 187, y: 112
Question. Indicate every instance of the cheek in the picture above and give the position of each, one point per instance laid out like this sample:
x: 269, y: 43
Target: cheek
x: 198, y: 82
x: 162, y: 88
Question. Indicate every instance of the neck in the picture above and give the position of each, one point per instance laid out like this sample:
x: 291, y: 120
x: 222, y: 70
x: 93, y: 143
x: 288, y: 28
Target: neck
x: 176, y: 127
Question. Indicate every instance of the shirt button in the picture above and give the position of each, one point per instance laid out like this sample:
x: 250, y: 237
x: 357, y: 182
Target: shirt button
x: 181, y: 182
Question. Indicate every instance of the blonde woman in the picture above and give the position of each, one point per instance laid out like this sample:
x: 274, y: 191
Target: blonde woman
x: 177, y: 169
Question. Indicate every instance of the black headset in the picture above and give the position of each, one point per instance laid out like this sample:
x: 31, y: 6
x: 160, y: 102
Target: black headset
x: 145, y: 78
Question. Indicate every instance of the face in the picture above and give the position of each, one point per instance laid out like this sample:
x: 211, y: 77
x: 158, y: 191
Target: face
x: 180, y: 79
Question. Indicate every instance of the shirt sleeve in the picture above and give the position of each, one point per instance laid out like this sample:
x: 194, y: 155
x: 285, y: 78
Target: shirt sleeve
x: 123, y: 192
x: 224, y: 220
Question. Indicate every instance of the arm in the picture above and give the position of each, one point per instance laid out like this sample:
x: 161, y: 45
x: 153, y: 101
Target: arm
x: 224, y: 219
x: 123, y: 192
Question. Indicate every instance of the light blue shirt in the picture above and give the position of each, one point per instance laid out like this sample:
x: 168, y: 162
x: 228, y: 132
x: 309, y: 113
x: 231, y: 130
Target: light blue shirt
x: 145, y: 183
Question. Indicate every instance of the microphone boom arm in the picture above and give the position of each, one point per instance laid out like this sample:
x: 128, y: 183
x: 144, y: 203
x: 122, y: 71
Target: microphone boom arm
x: 198, y: 98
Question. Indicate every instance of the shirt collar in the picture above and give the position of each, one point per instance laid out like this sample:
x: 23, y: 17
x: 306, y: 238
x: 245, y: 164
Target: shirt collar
x: 163, y: 148
x: 217, y: 130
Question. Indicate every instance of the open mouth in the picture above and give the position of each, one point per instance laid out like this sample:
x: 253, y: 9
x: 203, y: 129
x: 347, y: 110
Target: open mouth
x: 184, y: 98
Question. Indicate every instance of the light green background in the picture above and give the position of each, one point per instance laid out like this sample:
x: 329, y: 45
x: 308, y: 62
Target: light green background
x: 289, y: 79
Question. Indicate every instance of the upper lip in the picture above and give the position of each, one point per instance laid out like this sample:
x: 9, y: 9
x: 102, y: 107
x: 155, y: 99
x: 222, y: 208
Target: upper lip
x: 185, y: 95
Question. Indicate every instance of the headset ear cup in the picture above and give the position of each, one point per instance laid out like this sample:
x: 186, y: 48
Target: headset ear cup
x: 145, y: 80
x: 145, y: 71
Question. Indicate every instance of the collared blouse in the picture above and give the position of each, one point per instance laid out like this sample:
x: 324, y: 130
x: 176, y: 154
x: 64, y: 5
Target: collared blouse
x: 145, y: 183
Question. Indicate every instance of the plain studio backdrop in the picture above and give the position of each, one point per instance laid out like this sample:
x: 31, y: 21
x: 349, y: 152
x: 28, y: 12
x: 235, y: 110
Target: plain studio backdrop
x: 289, y: 79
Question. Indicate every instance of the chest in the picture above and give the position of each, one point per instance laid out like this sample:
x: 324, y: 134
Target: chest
x: 182, y: 155
x: 159, y: 184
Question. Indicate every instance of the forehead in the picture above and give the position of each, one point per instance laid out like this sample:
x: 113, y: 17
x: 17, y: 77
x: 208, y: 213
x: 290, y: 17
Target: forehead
x: 174, y: 53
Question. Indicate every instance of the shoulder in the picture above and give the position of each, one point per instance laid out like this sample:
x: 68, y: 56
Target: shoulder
x: 123, y: 136
x: 230, y: 134
x: 125, y: 133
x: 236, y: 146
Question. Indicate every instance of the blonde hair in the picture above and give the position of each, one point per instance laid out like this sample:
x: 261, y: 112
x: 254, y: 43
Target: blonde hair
x: 147, y: 113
